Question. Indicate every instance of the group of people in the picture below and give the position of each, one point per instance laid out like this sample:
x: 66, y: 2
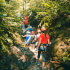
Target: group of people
x: 30, y: 37
x: 37, y: 40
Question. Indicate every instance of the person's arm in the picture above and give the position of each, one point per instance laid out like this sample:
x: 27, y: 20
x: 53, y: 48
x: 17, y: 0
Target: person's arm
x: 48, y: 41
x: 39, y: 43
x: 24, y: 31
x: 24, y: 36
x: 22, y: 23
x: 48, y: 38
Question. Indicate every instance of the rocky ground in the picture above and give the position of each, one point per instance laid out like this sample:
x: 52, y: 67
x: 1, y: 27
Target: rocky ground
x: 20, y: 57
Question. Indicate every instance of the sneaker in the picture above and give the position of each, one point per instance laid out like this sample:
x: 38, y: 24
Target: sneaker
x: 38, y: 63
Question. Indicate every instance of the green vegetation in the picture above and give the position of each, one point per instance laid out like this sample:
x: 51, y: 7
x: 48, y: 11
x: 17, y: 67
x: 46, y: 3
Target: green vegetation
x: 54, y: 14
x: 9, y: 22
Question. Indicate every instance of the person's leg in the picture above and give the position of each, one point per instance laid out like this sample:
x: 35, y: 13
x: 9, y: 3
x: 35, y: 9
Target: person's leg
x: 23, y: 30
x: 30, y: 46
x: 43, y: 64
x: 39, y: 52
x: 44, y: 59
x: 33, y: 46
x: 26, y: 26
x: 23, y: 27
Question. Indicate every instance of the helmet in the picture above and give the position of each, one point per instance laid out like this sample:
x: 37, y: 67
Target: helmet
x: 32, y: 32
x: 43, y: 29
x: 38, y: 30
x: 28, y: 32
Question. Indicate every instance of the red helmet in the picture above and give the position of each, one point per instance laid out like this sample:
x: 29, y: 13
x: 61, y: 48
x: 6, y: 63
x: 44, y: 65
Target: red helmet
x: 43, y: 29
x: 32, y: 32
x: 38, y: 30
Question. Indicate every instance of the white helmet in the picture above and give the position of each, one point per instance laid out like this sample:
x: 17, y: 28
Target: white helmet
x: 28, y: 32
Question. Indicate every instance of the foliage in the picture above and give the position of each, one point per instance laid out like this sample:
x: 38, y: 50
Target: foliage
x: 9, y: 20
x: 65, y: 59
x: 54, y: 14
x: 47, y: 10
x: 50, y: 13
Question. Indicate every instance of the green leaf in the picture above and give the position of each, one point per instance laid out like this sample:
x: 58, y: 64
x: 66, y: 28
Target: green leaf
x: 65, y: 59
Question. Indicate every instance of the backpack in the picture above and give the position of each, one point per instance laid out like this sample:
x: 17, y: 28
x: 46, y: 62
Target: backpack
x: 32, y: 38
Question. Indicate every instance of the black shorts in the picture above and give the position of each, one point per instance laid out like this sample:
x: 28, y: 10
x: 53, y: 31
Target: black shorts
x: 26, y: 26
x: 32, y: 42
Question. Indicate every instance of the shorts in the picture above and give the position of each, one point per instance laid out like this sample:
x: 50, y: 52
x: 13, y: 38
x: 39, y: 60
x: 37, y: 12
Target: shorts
x: 26, y: 26
x: 32, y: 42
x: 36, y: 43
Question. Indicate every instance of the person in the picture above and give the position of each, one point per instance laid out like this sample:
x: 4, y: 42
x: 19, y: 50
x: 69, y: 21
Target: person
x: 33, y: 39
x: 27, y: 42
x: 37, y: 37
x: 38, y: 34
x: 26, y: 21
x: 42, y: 48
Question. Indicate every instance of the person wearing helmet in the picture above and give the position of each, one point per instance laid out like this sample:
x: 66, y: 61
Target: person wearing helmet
x: 26, y: 21
x: 33, y: 39
x: 37, y: 36
x: 28, y: 33
x: 43, y: 40
x: 32, y: 32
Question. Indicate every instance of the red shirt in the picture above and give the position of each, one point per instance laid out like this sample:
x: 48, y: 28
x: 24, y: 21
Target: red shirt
x: 25, y: 22
x: 44, y: 39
